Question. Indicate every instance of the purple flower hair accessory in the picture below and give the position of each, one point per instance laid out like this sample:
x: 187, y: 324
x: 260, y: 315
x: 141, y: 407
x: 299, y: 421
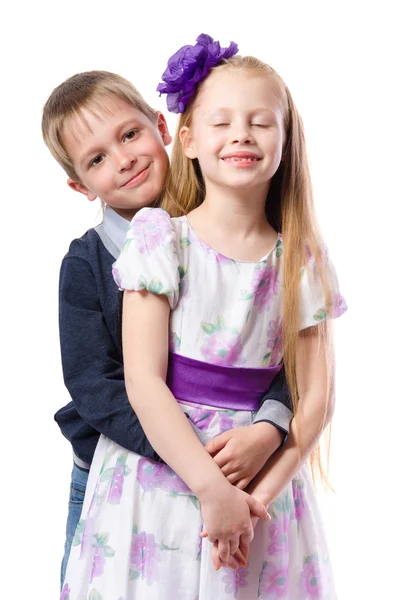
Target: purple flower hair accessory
x: 188, y: 66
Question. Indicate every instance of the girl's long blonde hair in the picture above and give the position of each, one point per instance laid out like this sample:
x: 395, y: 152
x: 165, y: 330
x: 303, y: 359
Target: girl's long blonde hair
x: 289, y: 209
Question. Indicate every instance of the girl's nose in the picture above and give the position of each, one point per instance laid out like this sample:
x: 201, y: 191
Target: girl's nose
x: 241, y: 134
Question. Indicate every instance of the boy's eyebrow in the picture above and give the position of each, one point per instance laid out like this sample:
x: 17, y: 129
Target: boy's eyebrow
x: 95, y: 149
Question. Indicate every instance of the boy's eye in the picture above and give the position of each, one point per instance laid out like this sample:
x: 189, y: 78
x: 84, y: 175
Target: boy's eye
x: 130, y: 135
x: 97, y: 160
x: 221, y: 124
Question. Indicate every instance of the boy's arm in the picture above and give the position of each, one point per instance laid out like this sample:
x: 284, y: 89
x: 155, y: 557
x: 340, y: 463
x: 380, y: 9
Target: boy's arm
x: 276, y: 406
x: 242, y: 452
x: 93, y: 373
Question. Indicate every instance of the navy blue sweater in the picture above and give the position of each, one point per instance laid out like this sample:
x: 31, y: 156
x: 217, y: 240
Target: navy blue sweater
x: 92, y: 361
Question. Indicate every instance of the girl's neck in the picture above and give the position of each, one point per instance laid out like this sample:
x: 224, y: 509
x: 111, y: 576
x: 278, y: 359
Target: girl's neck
x: 234, y: 224
x: 237, y: 212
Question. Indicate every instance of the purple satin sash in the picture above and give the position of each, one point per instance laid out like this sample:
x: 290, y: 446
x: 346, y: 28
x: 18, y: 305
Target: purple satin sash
x: 234, y: 388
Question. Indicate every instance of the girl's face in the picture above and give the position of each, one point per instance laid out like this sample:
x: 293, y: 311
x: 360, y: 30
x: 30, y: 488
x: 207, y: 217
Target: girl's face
x: 119, y: 155
x: 237, y: 130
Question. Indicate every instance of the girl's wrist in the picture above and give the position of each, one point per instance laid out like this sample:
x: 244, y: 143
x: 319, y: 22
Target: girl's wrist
x: 213, y: 489
x: 262, y: 495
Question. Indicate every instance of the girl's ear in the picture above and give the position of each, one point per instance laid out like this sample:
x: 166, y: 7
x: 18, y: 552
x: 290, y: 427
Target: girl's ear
x: 187, y: 142
x: 79, y: 187
x: 163, y: 129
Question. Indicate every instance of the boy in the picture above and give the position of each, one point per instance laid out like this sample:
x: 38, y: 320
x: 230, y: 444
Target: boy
x: 112, y: 146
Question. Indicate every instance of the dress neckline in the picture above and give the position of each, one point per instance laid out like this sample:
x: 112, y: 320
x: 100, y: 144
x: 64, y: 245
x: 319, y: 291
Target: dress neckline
x: 247, y: 262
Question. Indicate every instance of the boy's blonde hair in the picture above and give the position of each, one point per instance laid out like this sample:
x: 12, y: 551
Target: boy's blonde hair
x: 289, y: 209
x: 84, y: 90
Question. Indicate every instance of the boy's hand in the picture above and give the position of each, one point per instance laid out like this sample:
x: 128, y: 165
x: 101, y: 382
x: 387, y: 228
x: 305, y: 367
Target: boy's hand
x: 241, y: 453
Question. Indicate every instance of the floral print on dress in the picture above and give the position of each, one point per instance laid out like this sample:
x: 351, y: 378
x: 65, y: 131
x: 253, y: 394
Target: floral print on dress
x: 222, y: 346
x: 149, y: 230
x: 95, y: 595
x: 83, y: 534
x: 235, y: 580
x: 117, y: 474
x: 226, y: 420
x: 199, y: 548
x: 174, y: 342
x: 152, y: 475
x: 311, y: 579
x: 184, y: 242
x: 265, y: 286
x: 102, y: 552
x: 154, y: 286
x: 183, y: 284
x: 65, y: 593
x: 144, y: 557
x: 274, y: 343
x: 336, y: 308
x: 202, y: 418
x: 298, y: 497
x: 279, y: 535
x: 273, y: 581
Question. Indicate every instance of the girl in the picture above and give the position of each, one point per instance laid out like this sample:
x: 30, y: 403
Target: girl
x: 222, y: 299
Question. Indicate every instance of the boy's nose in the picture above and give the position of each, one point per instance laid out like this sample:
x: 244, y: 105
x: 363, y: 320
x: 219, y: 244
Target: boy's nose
x: 125, y: 161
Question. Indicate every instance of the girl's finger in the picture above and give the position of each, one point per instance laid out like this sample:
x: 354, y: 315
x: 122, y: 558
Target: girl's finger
x: 258, y: 509
x: 244, y: 549
x: 240, y: 558
x: 233, y: 563
x: 215, y: 557
x: 223, y: 550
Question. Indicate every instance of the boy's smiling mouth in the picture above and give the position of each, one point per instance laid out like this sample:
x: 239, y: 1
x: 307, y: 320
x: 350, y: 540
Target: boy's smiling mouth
x: 137, y: 178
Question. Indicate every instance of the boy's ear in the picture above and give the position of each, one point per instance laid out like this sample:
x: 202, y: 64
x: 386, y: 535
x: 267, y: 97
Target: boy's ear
x: 187, y: 142
x: 79, y: 187
x: 163, y: 128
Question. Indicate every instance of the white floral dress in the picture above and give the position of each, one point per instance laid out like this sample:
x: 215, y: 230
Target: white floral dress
x: 139, y: 535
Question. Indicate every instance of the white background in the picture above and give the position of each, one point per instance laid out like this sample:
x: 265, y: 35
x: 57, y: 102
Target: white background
x: 337, y: 59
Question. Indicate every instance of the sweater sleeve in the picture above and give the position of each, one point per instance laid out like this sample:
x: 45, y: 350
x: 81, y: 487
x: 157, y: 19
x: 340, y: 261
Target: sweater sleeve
x: 276, y: 407
x: 93, y: 373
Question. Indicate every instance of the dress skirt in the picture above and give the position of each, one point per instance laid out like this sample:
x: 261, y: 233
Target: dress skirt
x: 139, y: 535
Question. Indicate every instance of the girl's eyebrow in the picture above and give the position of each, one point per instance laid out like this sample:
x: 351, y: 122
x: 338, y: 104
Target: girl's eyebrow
x: 221, y: 110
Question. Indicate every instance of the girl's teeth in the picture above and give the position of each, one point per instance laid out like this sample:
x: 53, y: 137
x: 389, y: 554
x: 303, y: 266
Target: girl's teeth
x: 239, y: 159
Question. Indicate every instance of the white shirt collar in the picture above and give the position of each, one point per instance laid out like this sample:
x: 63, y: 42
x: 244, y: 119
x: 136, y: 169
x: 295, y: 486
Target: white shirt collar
x: 115, y: 227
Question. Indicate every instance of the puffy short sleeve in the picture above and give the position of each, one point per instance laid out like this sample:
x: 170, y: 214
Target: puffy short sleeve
x: 148, y: 259
x: 314, y: 307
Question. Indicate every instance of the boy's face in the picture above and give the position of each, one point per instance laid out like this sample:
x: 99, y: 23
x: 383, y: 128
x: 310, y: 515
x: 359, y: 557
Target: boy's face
x: 118, y: 154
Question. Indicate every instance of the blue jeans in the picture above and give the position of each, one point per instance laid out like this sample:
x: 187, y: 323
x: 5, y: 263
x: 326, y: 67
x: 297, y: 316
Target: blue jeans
x: 77, y: 492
